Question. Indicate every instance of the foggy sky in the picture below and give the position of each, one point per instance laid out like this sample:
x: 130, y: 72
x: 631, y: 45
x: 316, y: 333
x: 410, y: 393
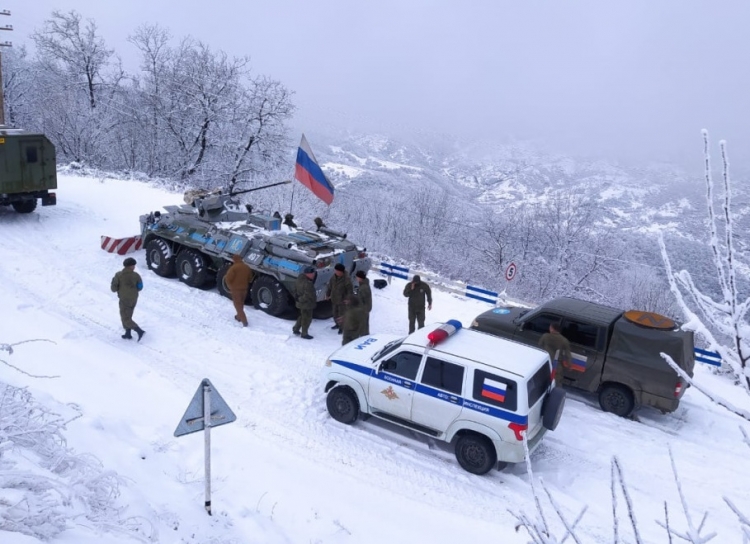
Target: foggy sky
x: 634, y: 80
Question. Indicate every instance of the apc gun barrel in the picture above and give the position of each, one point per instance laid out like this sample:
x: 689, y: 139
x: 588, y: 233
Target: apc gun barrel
x: 242, y: 192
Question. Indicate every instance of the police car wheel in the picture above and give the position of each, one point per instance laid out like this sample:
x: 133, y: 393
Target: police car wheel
x: 475, y: 453
x: 342, y: 404
x: 552, y: 408
x: 617, y: 399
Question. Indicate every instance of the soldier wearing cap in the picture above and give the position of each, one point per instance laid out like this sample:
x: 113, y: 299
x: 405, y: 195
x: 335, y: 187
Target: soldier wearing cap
x: 306, y: 299
x: 339, y: 287
x: 364, y: 294
x: 417, y: 292
x: 127, y: 283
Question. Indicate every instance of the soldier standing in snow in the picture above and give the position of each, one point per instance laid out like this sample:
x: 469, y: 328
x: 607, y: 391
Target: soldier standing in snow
x: 238, y: 279
x: 127, y: 283
x: 353, y: 320
x: 558, y: 348
x: 339, y: 287
x: 304, y: 294
x: 364, y: 294
x: 417, y: 291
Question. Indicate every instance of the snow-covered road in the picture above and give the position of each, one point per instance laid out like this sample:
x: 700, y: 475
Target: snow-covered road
x: 286, y: 472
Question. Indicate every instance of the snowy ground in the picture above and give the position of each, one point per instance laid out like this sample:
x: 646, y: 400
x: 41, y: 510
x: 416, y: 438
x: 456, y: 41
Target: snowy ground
x: 284, y: 471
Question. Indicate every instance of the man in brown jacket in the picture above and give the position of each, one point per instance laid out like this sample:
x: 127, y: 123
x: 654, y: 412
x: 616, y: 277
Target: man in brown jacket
x: 339, y: 287
x: 558, y: 348
x: 238, y: 279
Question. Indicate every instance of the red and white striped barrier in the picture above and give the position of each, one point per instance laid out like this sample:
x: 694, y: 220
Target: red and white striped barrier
x: 121, y: 246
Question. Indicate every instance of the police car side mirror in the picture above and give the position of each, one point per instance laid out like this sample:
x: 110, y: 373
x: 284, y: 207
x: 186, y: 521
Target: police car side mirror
x: 387, y: 365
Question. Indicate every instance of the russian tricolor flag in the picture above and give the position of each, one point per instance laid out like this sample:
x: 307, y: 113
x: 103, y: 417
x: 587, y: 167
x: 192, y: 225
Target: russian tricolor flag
x: 494, y: 390
x: 310, y: 175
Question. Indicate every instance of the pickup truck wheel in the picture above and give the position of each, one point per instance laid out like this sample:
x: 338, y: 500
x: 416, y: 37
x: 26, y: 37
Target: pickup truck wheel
x: 159, y: 258
x: 475, y: 453
x: 191, y: 268
x: 617, y: 399
x: 552, y: 408
x: 25, y: 206
x: 342, y: 404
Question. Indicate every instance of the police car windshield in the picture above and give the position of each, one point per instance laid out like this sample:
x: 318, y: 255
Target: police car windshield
x: 389, y: 347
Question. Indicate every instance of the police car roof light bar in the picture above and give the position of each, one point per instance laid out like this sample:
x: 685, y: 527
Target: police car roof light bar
x: 444, y: 331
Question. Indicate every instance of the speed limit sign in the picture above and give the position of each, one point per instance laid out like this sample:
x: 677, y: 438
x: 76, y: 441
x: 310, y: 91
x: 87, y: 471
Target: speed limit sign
x: 510, y: 272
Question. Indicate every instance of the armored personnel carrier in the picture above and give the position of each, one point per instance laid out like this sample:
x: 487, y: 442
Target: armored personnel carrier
x: 28, y: 171
x: 195, y: 242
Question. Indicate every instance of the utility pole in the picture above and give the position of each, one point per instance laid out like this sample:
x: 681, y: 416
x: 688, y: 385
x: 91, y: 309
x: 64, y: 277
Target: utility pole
x: 2, y: 93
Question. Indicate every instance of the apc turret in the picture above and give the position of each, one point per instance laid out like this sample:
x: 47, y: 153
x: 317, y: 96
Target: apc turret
x: 195, y: 242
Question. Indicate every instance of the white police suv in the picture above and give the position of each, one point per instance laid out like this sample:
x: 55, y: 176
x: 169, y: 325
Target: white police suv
x: 457, y: 385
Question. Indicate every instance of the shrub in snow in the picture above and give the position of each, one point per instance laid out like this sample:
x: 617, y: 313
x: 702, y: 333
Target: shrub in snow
x: 44, y: 485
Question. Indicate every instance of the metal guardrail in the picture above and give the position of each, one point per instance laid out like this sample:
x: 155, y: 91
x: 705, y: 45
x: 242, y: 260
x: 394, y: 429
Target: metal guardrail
x: 707, y: 357
x: 491, y: 297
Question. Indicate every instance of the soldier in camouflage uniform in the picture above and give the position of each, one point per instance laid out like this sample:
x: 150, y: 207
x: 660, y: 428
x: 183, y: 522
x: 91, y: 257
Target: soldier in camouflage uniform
x: 353, y: 320
x: 127, y: 283
x: 417, y: 291
x: 339, y: 287
x: 304, y: 294
x: 558, y: 348
x: 364, y: 294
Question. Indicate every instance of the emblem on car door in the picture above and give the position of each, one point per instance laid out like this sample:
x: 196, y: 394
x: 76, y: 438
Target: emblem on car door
x: 389, y: 393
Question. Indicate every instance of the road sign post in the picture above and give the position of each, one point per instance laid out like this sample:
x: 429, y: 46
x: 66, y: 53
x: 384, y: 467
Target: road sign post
x: 206, y: 410
x: 510, y: 272
x: 207, y: 443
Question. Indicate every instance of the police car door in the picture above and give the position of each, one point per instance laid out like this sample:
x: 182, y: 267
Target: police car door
x: 437, y: 401
x: 391, y: 388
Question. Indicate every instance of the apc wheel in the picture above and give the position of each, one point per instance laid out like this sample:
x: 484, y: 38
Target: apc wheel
x: 159, y: 258
x: 343, y: 405
x: 222, y: 286
x: 270, y: 296
x: 475, y: 453
x: 552, y: 408
x: 191, y: 268
x: 25, y: 206
x: 617, y: 399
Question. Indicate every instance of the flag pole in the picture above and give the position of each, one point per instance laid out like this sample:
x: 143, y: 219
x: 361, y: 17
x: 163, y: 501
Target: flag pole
x: 291, y: 202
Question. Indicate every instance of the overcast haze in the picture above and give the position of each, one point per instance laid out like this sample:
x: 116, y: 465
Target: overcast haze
x: 632, y: 80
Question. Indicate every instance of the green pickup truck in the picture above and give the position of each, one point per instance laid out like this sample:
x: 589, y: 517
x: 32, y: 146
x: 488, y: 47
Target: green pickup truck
x: 616, y: 354
x: 28, y: 170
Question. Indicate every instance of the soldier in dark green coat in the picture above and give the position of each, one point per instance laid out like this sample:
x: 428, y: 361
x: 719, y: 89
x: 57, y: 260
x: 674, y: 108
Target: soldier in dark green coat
x: 558, y: 348
x: 127, y: 284
x: 364, y: 294
x: 417, y: 292
x: 354, y: 318
x: 339, y: 287
x: 304, y: 294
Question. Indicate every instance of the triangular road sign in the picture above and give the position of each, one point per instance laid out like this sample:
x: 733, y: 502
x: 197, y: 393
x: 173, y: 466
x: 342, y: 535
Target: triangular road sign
x: 192, y: 421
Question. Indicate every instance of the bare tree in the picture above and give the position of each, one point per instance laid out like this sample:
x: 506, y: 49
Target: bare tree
x: 723, y: 322
x: 82, y: 52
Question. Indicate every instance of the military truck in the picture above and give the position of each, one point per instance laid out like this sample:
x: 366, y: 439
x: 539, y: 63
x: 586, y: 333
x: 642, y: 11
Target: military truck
x: 195, y: 242
x: 615, y: 353
x: 28, y: 170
